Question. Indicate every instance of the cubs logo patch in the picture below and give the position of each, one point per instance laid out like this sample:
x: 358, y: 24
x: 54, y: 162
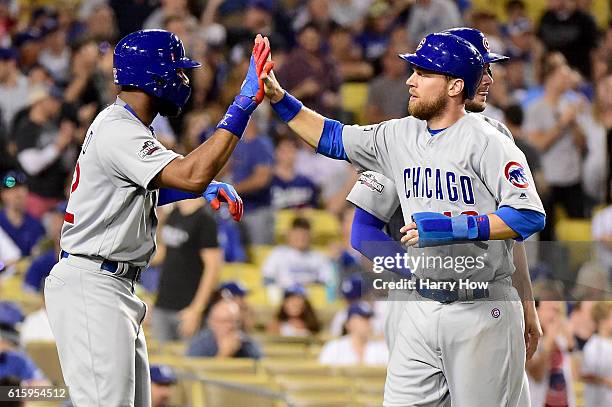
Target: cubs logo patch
x: 148, y: 148
x: 515, y: 174
x: 485, y: 44
x: 369, y: 181
x: 420, y: 44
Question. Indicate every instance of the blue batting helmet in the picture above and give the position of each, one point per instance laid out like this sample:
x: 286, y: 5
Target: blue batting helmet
x: 479, y: 41
x: 449, y: 55
x: 150, y: 60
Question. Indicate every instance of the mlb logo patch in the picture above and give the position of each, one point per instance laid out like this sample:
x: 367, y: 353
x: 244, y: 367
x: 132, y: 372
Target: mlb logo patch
x: 148, y: 148
x: 515, y: 174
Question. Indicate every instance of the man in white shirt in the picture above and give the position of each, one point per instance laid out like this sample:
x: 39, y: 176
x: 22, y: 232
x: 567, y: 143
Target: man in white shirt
x: 355, y: 347
x: 296, y: 262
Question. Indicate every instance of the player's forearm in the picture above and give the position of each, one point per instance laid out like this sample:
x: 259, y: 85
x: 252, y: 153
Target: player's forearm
x: 308, y: 124
x: 520, y: 279
x: 195, y: 171
x: 499, y: 230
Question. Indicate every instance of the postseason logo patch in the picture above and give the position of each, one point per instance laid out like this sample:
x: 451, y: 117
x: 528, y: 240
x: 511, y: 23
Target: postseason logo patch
x: 148, y: 148
x: 515, y: 174
x: 369, y: 181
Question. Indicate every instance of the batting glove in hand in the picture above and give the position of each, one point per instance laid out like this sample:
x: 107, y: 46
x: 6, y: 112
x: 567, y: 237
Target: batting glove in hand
x: 218, y: 192
x: 252, y: 87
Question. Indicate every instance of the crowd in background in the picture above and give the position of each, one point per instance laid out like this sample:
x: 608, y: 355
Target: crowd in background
x: 555, y: 95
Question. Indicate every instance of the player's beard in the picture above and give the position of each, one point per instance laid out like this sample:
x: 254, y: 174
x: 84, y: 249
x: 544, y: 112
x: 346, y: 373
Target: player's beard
x: 474, y: 106
x: 427, y: 110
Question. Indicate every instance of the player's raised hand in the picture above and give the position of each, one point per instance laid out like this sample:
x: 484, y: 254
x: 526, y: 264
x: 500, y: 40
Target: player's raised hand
x: 412, y: 234
x: 272, y: 88
x: 260, y: 62
x: 218, y: 192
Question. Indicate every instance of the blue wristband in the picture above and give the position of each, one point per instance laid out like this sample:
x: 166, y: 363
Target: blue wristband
x: 237, y: 116
x: 287, y: 108
x: 484, y: 228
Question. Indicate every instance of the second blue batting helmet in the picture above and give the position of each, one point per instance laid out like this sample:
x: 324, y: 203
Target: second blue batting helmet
x: 449, y: 55
x: 479, y: 41
x: 150, y: 60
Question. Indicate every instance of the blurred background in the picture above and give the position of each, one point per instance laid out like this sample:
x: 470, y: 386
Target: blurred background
x: 275, y: 310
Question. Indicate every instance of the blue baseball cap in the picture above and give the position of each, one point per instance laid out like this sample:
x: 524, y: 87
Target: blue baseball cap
x: 162, y: 374
x: 10, y: 314
x: 27, y: 36
x: 11, y: 179
x: 295, y: 289
x: 363, y: 309
x: 7, y: 53
x: 352, y: 287
x: 235, y: 288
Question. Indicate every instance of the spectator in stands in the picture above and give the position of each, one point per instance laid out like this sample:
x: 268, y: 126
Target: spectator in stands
x: 592, y: 282
x: 252, y: 166
x: 428, y: 16
x: 334, y: 178
x: 352, y: 290
x: 349, y: 13
x: 56, y: 54
x: 14, y: 87
x: 376, y: 35
x: 552, y: 127
x: 19, y: 232
x: 296, y: 262
x: 550, y: 369
x: 235, y: 291
x: 288, y: 189
x: 14, y: 363
x: 349, y: 56
x: 387, y: 96
x: 295, y: 316
x: 514, y: 120
x: 190, y: 269
x: 315, y: 13
x: 311, y: 75
x: 45, y: 150
x: 166, y: 9
x: 571, y: 31
x: 602, y: 235
x: 163, y: 384
x: 356, y: 347
x: 597, y: 360
x: 581, y: 323
x: 223, y: 336
x: 42, y: 264
x: 602, y: 114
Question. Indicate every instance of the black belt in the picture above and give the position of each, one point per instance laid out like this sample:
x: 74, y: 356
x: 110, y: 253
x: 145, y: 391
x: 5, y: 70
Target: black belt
x: 113, y: 267
x: 450, y: 296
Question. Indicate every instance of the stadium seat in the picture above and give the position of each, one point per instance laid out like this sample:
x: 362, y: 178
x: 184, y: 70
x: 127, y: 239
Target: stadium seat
x: 321, y: 400
x: 294, y: 367
x: 44, y: 354
x: 218, y: 365
x: 363, y: 372
x: 239, y: 390
x: 325, y: 226
x: 304, y: 385
x: 291, y: 351
x: 354, y: 97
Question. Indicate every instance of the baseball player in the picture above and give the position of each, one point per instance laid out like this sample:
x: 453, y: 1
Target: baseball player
x: 376, y: 200
x: 465, y: 191
x: 108, y: 235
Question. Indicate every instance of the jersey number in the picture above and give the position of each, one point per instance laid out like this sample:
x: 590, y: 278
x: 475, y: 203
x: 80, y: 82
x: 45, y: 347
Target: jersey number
x: 69, y: 217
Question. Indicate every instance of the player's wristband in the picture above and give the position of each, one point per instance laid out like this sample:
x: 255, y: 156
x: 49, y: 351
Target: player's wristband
x: 437, y: 229
x: 237, y: 116
x: 287, y: 108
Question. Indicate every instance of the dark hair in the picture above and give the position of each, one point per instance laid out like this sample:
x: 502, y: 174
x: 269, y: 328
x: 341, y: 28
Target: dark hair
x: 514, y: 115
x: 308, y: 315
x: 11, y: 381
x: 300, y: 223
x: 515, y: 4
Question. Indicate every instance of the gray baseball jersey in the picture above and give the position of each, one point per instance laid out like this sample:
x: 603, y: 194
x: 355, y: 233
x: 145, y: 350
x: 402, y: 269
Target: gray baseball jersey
x: 376, y: 194
x: 111, y: 211
x: 471, y: 168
